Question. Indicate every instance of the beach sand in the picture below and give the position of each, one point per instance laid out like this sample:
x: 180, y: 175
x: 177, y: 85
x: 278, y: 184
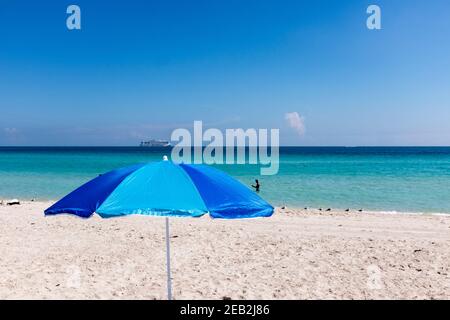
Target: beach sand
x: 295, y: 254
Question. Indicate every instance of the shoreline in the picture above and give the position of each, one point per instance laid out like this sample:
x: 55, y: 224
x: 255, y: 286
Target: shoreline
x: 280, y: 208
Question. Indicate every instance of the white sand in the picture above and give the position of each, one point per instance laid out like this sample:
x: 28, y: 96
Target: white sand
x: 292, y: 255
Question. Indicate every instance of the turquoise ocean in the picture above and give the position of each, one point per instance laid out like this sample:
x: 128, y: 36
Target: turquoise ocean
x: 406, y: 179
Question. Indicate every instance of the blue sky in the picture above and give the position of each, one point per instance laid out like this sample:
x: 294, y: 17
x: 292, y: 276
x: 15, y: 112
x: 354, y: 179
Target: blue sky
x: 140, y: 69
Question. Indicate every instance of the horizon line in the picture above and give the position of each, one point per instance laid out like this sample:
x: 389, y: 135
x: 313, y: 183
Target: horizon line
x: 281, y: 146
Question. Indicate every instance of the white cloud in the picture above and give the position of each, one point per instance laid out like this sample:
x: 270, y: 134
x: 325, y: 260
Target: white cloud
x: 296, y: 122
x: 11, y: 131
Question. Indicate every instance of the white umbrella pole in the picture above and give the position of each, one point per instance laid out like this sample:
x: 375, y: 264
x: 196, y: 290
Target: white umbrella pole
x: 169, y: 280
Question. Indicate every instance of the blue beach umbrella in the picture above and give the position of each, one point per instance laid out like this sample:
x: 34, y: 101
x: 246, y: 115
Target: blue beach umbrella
x: 164, y: 189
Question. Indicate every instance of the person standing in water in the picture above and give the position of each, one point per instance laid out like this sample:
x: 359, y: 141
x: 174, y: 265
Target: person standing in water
x: 256, y: 186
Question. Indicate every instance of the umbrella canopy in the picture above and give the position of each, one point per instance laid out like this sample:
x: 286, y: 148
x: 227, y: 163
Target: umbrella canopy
x: 164, y: 189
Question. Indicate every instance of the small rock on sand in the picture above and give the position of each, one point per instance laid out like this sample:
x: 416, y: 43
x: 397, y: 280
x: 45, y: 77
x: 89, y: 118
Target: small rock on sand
x: 13, y: 202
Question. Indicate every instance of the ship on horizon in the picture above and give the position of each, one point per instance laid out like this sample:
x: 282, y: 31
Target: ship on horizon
x: 155, y: 143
